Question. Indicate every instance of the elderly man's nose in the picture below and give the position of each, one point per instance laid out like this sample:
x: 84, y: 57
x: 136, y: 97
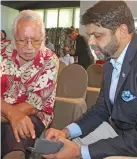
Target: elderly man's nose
x: 30, y: 46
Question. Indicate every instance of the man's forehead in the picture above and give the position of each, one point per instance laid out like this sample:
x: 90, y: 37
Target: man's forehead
x: 28, y: 30
x: 24, y: 22
x: 92, y: 28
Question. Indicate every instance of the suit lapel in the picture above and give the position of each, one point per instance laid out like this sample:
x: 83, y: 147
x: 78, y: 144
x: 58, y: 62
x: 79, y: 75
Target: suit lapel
x: 107, y: 81
x: 131, y: 52
x: 123, y: 75
x: 107, y: 76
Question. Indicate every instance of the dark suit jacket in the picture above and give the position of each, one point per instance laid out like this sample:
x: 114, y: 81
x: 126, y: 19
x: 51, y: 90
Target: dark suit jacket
x: 85, y: 57
x: 123, y: 114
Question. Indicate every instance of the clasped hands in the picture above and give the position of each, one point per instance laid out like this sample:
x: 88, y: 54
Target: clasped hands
x: 70, y: 150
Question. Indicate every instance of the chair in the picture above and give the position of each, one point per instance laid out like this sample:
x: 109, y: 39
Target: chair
x: 70, y: 96
x: 61, y: 66
x: 95, y: 73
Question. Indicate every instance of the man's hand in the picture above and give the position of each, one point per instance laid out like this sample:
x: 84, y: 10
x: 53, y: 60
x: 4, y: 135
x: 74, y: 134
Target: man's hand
x: 72, y: 52
x: 21, y: 124
x: 54, y: 134
x: 69, y: 151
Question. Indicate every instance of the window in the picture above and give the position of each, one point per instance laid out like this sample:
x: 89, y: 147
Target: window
x: 65, y: 17
x: 60, y: 17
x: 51, y: 18
x: 77, y: 18
x: 136, y: 23
x: 41, y: 13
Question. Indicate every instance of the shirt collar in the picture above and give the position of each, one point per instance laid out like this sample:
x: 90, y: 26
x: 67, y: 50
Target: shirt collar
x: 121, y: 57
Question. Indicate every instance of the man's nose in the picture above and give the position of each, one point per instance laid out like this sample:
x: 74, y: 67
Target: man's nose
x: 92, y: 40
x: 30, y: 46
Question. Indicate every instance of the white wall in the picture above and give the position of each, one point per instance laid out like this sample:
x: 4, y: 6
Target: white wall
x: 7, y: 17
x: 133, y: 6
x: 84, y: 5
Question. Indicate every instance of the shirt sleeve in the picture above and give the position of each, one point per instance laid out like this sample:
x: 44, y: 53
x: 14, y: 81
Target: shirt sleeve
x: 43, y: 95
x: 74, y: 130
x: 71, y: 60
x: 85, y: 152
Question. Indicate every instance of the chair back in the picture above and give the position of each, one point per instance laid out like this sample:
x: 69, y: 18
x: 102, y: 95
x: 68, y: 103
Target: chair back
x: 61, y: 66
x: 72, y: 82
x: 95, y: 73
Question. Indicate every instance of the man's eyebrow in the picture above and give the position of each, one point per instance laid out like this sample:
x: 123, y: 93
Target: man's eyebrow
x: 94, y: 33
x: 89, y: 33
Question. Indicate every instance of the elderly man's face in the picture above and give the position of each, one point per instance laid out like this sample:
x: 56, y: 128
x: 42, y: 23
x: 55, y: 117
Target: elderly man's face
x: 102, y: 40
x: 28, y: 39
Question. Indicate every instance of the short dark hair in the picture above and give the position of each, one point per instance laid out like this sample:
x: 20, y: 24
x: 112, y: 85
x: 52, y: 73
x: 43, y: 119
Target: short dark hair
x: 4, y: 32
x: 69, y: 31
x: 110, y: 15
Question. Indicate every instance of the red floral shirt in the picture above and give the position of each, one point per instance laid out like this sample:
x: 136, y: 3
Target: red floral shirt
x: 34, y: 82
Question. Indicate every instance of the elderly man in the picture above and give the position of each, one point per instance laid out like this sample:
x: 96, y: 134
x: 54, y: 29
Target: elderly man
x: 109, y: 128
x: 28, y: 85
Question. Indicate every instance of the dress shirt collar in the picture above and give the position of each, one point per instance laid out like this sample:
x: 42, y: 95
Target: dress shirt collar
x: 120, y: 59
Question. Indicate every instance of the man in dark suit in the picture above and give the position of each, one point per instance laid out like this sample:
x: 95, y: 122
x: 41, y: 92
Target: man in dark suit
x: 80, y: 48
x: 111, y: 124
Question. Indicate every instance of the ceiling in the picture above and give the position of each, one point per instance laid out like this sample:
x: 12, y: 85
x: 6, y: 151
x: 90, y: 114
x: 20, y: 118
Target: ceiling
x: 20, y: 5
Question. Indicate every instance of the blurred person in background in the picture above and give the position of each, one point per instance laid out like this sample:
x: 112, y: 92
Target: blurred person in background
x: 49, y: 44
x: 4, y: 40
x: 67, y: 59
x: 82, y: 50
x: 3, y: 35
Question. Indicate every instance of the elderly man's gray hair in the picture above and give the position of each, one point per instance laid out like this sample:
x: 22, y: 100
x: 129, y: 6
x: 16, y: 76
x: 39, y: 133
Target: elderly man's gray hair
x: 28, y: 15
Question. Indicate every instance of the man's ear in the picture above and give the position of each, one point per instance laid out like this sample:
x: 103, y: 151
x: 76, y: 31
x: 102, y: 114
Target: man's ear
x: 123, y: 31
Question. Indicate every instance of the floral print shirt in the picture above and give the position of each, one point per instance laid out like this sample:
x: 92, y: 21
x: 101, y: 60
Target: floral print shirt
x: 34, y: 82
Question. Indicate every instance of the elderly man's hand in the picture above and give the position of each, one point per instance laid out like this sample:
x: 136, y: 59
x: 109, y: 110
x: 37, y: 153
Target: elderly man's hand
x: 21, y: 124
x: 69, y: 151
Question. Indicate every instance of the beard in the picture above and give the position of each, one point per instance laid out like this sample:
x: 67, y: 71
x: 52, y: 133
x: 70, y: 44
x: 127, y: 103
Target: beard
x: 109, y: 50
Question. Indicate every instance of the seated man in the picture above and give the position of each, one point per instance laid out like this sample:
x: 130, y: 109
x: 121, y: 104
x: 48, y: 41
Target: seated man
x: 67, y: 59
x: 3, y: 35
x: 4, y: 41
x: 49, y: 44
x: 109, y: 128
x: 28, y: 86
